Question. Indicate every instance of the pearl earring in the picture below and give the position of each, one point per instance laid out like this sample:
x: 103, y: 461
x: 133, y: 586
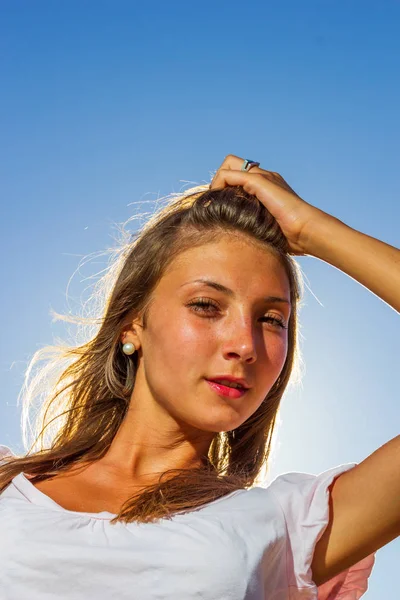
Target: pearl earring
x: 128, y: 348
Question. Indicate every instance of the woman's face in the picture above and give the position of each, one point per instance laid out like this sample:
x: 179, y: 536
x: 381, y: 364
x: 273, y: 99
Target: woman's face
x: 238, y: 333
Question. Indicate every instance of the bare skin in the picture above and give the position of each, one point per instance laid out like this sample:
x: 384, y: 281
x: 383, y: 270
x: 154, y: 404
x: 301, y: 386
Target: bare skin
x: 364, y: 501
x: 173, y: 414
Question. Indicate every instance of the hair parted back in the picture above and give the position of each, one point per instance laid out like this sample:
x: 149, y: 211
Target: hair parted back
x: 86, y: 388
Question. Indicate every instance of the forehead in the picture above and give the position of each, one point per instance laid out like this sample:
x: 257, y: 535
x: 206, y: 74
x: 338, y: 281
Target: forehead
x: 232, y: 261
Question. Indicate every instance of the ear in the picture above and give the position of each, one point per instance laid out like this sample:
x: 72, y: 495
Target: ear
x: 132, y: 332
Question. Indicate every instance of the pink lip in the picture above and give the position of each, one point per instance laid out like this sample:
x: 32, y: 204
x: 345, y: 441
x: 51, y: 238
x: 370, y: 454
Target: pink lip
x: 224, y: 390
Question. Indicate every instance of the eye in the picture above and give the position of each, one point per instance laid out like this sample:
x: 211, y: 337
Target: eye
x: 203, y: 305
x: 277, y: 321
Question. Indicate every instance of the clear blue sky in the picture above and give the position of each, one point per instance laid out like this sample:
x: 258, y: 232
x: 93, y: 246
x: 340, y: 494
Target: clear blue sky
x: 106, y: 103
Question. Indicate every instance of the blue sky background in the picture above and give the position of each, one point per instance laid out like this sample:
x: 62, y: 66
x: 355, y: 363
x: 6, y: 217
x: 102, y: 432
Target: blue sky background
x: 107, y: 103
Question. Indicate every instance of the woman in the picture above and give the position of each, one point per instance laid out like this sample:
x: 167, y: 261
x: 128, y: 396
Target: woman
x: 147, y: 489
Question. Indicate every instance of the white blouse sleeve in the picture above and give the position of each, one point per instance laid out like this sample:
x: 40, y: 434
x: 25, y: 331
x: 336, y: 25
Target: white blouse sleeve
x: 304, y: 499
x: 4, y: 452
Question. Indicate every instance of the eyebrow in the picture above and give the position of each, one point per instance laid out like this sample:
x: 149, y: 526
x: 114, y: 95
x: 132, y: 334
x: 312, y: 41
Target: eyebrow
x: 222, y: 288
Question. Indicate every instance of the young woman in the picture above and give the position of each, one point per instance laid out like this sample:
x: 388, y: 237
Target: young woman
x: 147, y: 488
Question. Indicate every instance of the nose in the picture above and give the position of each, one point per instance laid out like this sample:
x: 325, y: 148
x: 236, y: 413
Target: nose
x: 240, y: 342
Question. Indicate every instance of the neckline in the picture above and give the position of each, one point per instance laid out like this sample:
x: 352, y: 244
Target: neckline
x: 39, y: 498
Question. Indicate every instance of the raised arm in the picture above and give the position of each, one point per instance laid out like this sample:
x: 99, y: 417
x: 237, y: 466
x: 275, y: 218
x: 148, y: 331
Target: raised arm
x: 371, y: 262
x: 364, y: 501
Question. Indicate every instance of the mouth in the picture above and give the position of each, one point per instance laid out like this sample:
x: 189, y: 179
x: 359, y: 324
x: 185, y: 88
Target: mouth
x: 226, y: 390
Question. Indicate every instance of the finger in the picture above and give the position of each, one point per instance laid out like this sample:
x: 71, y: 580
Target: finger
x: 231, y: 161
x: 235, y: 162
x: 255, y: 184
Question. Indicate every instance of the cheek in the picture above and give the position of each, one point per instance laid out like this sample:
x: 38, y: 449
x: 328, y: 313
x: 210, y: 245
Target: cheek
x: 277, y: 352
x: 195, y: 333
x: 184, y: 343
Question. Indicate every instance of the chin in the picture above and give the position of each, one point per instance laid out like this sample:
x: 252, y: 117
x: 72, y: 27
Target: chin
x: 220, y: 425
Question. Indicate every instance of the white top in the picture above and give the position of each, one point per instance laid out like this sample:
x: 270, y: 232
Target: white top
x: 252, y: 544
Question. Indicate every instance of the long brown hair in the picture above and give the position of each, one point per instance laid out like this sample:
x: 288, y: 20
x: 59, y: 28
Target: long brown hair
x: 87, y: 387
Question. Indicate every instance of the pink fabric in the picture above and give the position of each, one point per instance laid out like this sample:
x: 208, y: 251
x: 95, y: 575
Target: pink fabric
x: 5, y: 451
x: 304, y: 499
x: 349, y: 585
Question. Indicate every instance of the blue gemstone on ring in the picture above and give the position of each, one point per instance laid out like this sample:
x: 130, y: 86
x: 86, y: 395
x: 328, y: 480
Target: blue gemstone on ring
x: 247, y: 163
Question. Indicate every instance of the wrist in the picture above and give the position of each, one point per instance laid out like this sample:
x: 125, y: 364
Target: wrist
x: 321, y: 234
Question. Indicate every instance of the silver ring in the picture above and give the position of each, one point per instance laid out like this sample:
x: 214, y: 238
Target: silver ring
x: 247, y: 164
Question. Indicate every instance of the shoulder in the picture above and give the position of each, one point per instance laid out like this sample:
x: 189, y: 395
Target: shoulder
x: 305, y: 500
x: 296, y: 490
